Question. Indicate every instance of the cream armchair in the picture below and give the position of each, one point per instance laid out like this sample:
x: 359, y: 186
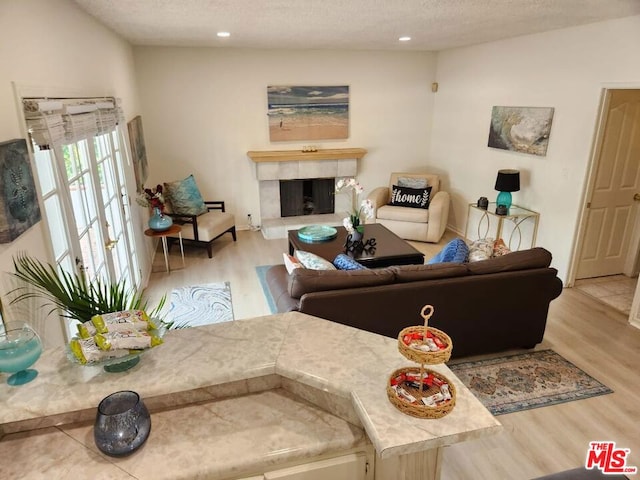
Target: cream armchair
x: 424, y: 225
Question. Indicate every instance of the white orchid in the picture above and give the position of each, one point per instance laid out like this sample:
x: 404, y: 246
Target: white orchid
x: 354, y: 221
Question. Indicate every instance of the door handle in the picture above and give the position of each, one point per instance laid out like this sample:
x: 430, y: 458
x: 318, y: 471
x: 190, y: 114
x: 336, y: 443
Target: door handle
x: 636, y: 197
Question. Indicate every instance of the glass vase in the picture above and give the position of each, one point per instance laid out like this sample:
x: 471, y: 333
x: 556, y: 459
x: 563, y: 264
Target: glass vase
x: 122, y: 424
x: 158, y: 221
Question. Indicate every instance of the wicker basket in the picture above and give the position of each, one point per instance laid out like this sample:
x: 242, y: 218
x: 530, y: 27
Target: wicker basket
x: 420, y: 356
x: 419, y: 409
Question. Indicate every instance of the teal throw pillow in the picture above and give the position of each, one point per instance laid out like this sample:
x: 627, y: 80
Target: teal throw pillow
x: 184, y: 197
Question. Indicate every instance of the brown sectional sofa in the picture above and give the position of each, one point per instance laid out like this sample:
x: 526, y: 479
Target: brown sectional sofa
x: 486, y: 306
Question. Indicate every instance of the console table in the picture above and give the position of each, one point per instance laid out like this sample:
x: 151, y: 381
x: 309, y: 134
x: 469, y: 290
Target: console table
x: 518, y: 218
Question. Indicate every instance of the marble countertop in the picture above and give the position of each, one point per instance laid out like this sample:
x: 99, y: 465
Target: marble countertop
x: 242, y: 356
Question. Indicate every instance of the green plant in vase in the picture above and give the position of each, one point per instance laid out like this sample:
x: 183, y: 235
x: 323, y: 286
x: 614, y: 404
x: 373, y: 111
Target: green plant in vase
x: 71, y: 294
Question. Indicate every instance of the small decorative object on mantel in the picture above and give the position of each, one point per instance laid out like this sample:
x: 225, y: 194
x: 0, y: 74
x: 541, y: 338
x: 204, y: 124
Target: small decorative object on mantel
x: 122, y: 424
x: 154, y: 199
x: 421, y: 392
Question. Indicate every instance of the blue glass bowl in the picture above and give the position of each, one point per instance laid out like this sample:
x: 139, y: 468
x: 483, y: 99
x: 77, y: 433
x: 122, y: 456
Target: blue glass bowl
x: 20, y: 347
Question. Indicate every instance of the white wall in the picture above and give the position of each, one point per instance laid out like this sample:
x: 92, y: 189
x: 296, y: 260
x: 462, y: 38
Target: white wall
x: 50, y: 47
x: 565, y: 69
x: 204, y: 108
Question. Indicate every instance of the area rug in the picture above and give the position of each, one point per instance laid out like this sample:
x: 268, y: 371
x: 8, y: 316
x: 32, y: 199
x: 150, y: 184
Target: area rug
x: 528, y: 380
x: 200, y: 305
x: 261, y: 270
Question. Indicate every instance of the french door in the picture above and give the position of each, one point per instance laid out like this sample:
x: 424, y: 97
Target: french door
x: 87, y: 209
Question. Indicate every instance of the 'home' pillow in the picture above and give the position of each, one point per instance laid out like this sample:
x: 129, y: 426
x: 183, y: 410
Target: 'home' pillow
x: 184, y: 197
x: 410, y: 197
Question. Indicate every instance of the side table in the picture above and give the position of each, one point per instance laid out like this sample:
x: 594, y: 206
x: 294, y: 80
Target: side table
x: 518, y: 216
x: 170, y: 232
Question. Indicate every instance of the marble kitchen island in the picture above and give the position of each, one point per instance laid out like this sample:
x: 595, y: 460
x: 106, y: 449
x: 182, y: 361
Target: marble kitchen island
x: 249, y: 398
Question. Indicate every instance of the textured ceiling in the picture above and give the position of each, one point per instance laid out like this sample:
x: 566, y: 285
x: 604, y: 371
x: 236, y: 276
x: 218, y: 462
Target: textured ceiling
x: 344, y: 24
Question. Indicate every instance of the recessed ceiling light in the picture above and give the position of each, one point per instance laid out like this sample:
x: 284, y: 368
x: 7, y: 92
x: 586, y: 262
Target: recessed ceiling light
x: 404, y: 39
x: 223, y: 34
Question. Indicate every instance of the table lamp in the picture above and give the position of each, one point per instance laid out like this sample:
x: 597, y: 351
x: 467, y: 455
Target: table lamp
x: 507, y: 181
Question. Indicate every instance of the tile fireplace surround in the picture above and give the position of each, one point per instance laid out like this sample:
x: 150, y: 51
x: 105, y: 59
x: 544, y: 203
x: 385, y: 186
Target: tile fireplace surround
x: 273, y: 166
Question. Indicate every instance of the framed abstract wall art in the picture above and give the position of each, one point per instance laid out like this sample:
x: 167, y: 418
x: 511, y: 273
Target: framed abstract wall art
x: 19, y: 208
x: 521, y: 129
x: 138, y: 152
x: 308, y: 113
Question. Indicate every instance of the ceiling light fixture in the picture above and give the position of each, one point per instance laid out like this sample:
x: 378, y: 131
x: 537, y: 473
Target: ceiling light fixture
x: 404, y: 39
x: 223, y: 34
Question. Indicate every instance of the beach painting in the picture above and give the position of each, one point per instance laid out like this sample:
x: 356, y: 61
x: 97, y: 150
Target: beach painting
x: 308, y: 113
x: 521, y: 129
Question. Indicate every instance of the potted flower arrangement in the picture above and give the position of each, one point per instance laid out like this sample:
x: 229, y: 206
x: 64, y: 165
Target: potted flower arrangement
x: 154, y: 199
x: 354, y: 223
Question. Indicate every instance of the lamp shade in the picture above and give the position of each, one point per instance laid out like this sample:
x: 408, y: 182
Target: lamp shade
x: 508, y: 181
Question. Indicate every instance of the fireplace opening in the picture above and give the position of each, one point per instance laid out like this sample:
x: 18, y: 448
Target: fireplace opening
x: 310, y: 196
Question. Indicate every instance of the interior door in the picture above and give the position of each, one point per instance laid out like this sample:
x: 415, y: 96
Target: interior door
x: 612, y: 207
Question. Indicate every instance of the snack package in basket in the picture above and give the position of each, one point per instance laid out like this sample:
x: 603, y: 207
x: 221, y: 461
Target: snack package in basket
x: 122, y: 321
x: 130, y: 340
x: 86, y: 351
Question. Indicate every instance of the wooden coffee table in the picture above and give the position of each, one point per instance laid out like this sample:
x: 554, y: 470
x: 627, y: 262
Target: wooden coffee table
x: 390, y: 249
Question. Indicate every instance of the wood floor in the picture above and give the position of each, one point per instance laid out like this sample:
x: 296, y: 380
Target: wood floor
x: 593, y: 336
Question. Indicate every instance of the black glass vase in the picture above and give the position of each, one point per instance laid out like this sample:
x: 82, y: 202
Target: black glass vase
x: 122, y: 424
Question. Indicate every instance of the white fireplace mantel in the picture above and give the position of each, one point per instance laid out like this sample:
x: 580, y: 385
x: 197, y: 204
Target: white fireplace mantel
x: 275, y: 165
x: 259, y: 156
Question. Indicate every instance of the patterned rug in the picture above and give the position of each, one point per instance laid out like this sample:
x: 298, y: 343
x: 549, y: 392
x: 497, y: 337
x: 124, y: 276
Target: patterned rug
x: 200, y: 305
x: 527, y: 380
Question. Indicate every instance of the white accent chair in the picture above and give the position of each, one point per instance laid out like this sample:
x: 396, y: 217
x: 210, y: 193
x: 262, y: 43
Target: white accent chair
x: 203, y: 229
x: 423, y: 225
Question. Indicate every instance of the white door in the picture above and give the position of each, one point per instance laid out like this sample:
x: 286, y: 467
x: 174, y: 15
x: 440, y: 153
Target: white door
x: 612, y: 207
x: 87, y: 211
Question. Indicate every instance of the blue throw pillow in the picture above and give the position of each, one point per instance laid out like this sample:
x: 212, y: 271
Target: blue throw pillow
x: 455, y: 251
x: 345, y: 262
x: 184, y: 197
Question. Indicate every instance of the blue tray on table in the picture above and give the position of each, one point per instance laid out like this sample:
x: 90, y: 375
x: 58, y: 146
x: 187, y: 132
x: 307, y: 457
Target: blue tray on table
x: 317, y: 233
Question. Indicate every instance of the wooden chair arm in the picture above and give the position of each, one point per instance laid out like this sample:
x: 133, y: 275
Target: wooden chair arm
x: 214, y: 205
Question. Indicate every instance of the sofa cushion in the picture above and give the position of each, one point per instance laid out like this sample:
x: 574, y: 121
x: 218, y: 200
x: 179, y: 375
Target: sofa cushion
x: 455, y: 251
x: 345, y: 262
x: 414, y: 273
x: 410, y: 197
x: 210, y: 225
x: 303, y: 280
x: 412, y: 182
x: 403, y: 214
x: 521, y: 260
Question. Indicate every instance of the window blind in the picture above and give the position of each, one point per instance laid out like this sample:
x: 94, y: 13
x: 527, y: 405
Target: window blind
x: 62, y: 121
